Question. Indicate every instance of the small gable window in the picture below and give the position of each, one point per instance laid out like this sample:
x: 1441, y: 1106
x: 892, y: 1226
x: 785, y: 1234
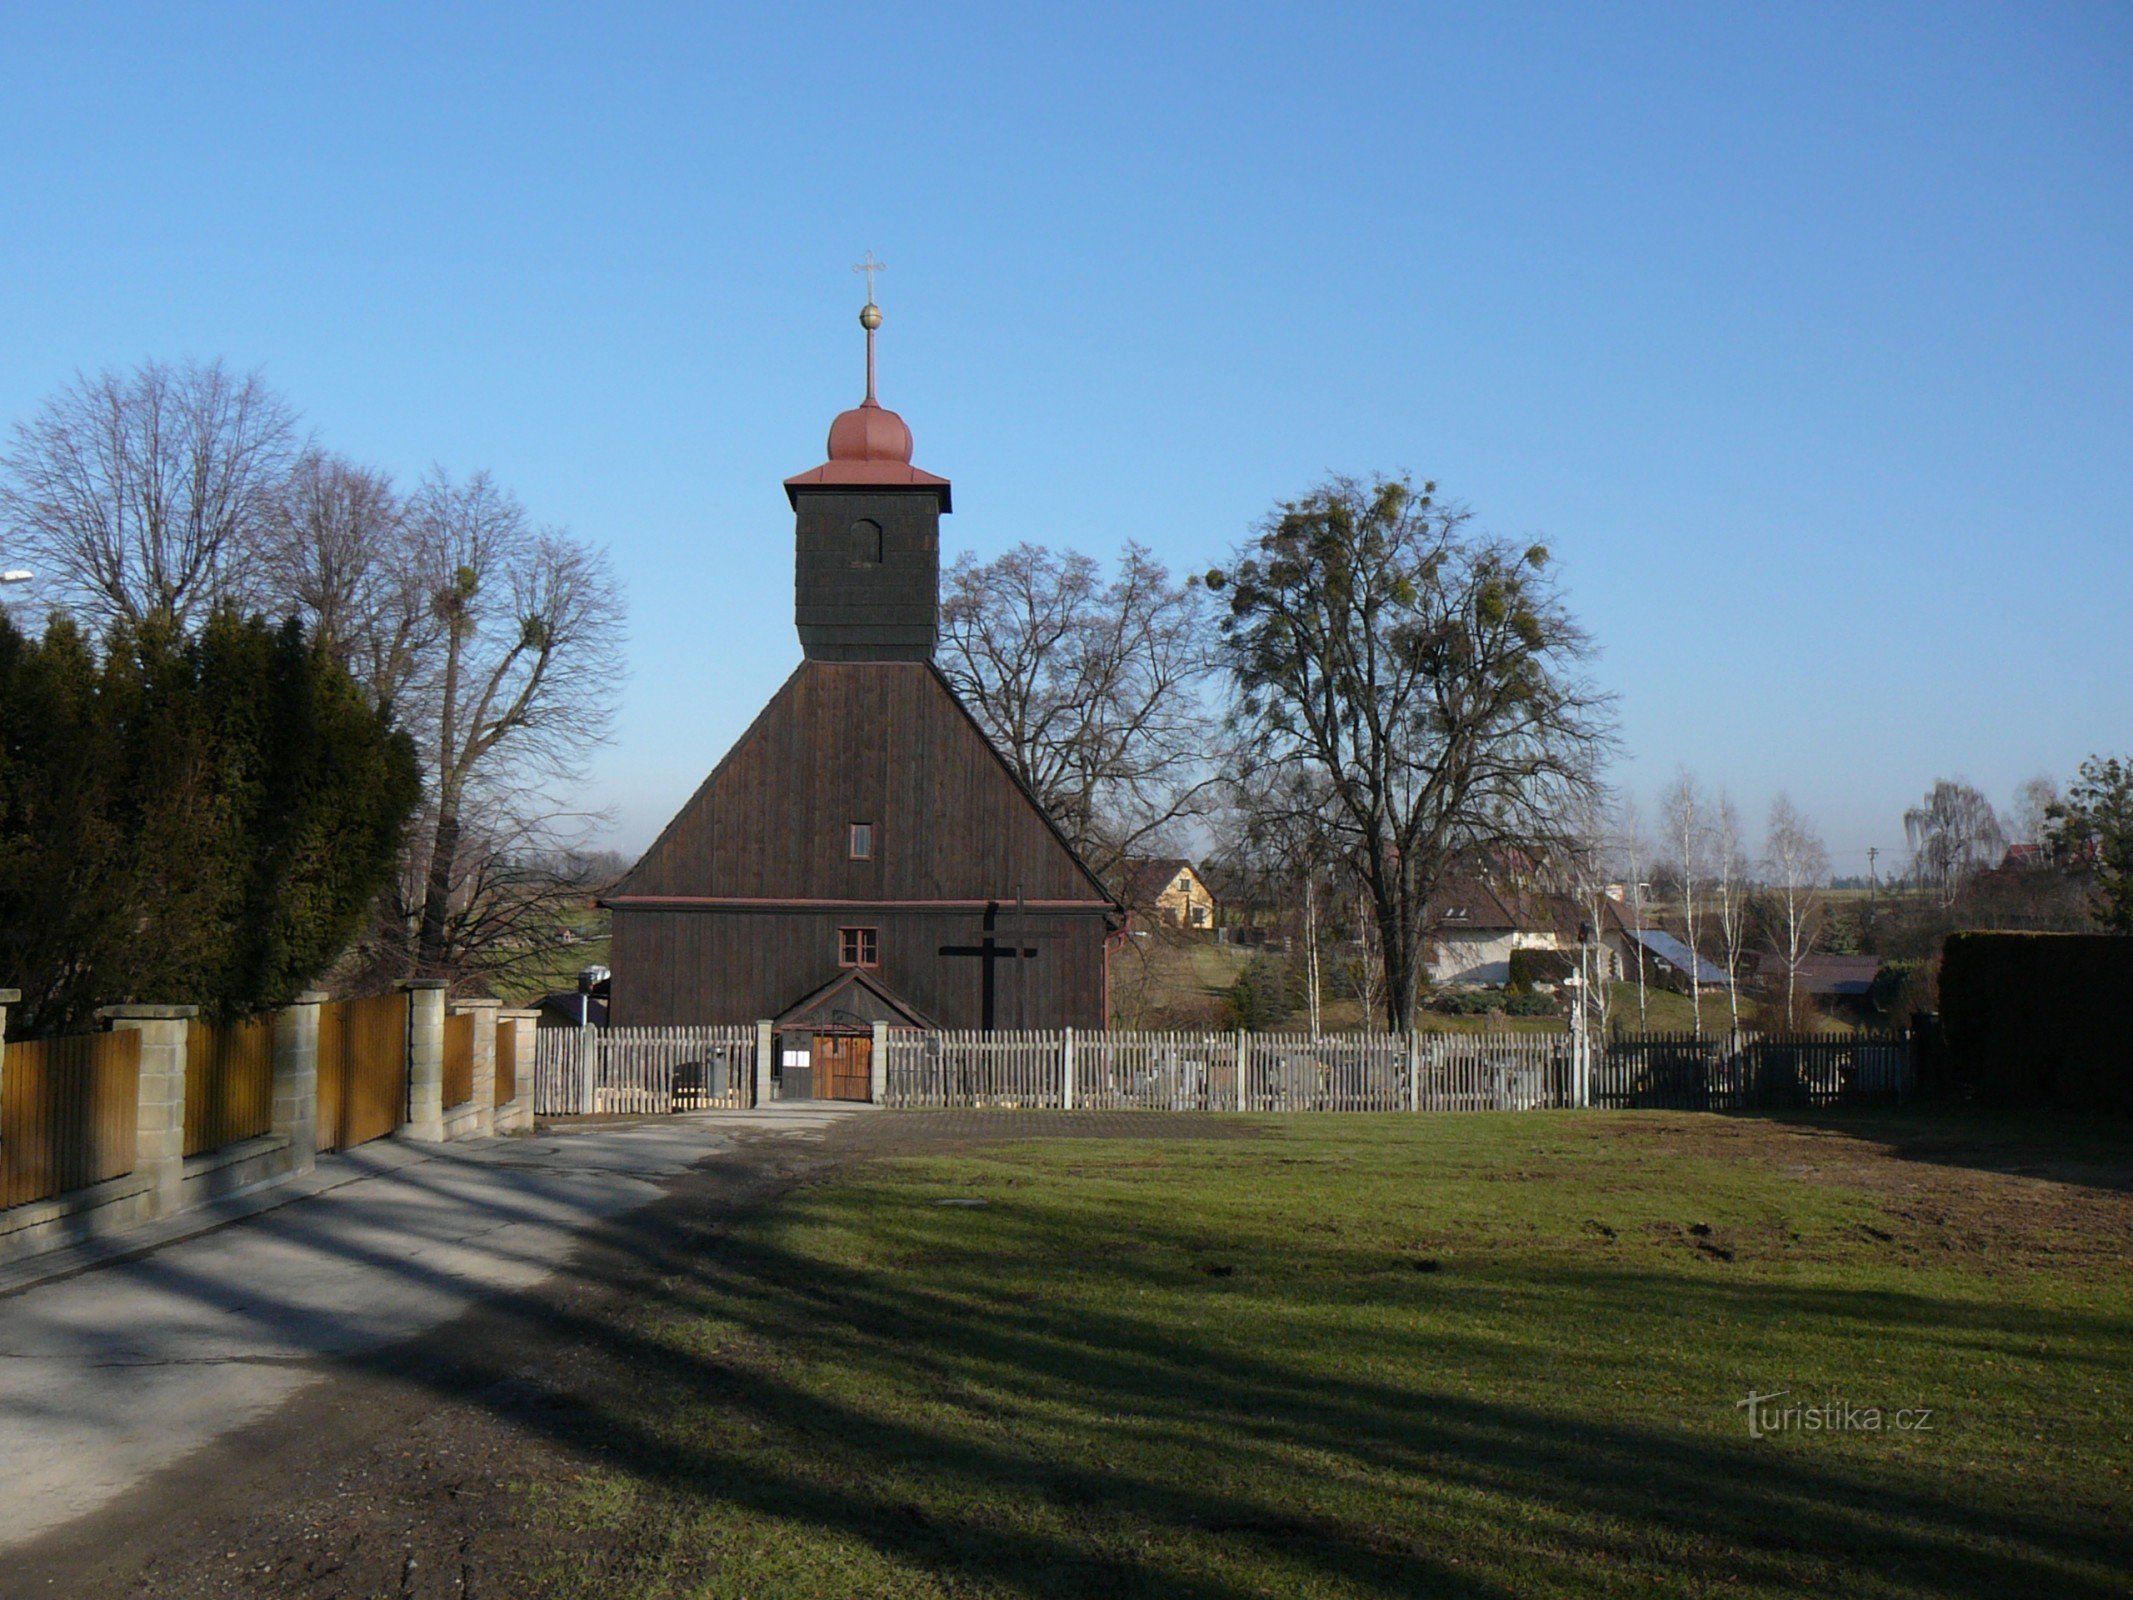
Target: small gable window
x: 866, y: 543
x: 858, y: 947
x: 862, y: 841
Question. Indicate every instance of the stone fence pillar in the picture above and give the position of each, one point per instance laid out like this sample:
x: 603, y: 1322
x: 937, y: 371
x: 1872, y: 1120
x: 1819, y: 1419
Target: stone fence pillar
x: 766, y: 1040
x: 296, y: 1078
x: 425, y: 1059
x: 878, y: 1086
x: 159, y: 1135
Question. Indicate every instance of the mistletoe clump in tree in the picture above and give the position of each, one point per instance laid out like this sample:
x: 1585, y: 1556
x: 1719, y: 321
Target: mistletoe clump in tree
x: 1422, y: 684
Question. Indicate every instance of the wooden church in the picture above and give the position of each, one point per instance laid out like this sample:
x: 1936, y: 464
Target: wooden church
x: 863, y: 854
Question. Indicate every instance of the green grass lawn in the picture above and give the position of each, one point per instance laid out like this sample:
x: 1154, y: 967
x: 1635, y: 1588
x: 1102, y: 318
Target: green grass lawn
x: 1475, y: 1355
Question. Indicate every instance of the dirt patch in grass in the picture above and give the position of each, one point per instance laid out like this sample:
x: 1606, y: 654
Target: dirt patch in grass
x: 2002, y: 1197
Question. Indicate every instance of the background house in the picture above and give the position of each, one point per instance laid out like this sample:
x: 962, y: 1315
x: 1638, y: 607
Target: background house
x: 1477, y: 924
x: 1170, y: 890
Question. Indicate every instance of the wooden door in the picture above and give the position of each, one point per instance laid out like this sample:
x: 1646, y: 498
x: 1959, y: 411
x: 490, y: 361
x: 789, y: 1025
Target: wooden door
x: 844, y: 1066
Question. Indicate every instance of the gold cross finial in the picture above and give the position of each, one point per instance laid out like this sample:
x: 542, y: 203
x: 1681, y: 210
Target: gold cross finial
x: 868, y: 265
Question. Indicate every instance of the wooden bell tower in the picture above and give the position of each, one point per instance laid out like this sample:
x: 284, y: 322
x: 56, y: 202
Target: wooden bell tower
x: 867, y: 567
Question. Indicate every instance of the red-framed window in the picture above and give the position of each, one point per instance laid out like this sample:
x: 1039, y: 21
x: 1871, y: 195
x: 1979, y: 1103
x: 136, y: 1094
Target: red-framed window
x: 858, y: 947
x: 862, y: 841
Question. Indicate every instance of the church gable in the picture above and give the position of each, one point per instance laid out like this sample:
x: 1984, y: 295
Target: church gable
x: 862, y: 782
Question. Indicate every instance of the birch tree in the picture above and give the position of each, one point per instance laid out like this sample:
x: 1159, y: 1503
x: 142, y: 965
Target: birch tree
x: 1733, y: 880
x: 1635, y: 857
x: 1952, y: 833
x: 1797, y: 863
x: 1684, y: 815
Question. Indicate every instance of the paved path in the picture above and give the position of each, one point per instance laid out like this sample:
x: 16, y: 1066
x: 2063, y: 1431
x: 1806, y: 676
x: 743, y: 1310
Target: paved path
x: 110, y: 1375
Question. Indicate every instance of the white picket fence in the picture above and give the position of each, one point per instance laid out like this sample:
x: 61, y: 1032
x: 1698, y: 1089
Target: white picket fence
x: 641, y: 1071
x: 1067, y: 1068
x: 648, y: 1071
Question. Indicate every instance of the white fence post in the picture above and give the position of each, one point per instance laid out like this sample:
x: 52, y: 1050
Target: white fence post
x: 1414, y: 1071
x: 1066, y: 1070
x: 588, y: 1069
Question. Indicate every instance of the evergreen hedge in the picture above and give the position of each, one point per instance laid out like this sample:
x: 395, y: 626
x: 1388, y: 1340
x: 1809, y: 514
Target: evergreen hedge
x: 204, y: 817
x: 2039, y: 1020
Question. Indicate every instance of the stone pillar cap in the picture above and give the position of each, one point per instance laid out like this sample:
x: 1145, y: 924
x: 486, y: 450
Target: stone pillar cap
x: 141, y: 1013
x: 423, y: 983
x: 476, y: 1003
x: 9, y: 997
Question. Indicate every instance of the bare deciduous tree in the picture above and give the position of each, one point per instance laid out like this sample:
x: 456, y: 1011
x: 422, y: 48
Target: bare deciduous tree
x: 2031, y: 820
x: 1731, y: 874
x: 342, y: 549
x: 1685, y: 817
x: 1424, y: 681
x: 1636, y: 854
x: 150, y: 492
x: 1091, y: 687
x: 517, y: 693
x: 1797, y: 864
x: 1952, y: 834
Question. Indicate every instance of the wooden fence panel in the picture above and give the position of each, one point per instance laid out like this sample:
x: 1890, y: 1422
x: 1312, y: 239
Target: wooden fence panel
x: 1751, y: 1072
x: 506, y: 1062
x: 362, y: 1070
x: 69, y: 1109
x: 558, y: 1081
x: 458, y: 1059
x: 642, y: 1071
x: 1286, y: 1072
x: 1016, y: 1067
x: 229, y: 1083
x: 1156, y: 1071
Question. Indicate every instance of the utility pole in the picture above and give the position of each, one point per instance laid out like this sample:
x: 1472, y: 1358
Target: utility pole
x: 1873, y: 852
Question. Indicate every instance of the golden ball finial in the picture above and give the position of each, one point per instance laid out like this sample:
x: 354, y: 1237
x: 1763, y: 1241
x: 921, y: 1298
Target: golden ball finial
x: 870, y: 316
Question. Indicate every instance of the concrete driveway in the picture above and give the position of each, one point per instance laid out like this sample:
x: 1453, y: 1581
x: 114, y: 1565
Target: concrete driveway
x: 115, y: 1373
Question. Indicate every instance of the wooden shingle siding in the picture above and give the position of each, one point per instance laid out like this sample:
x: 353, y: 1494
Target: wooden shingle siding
x: 733, y: 914
x: 878, y: 742
x: 734, y: 966
x: 851, y: 611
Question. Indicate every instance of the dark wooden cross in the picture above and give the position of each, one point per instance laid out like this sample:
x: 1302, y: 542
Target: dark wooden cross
x: 990, y: 951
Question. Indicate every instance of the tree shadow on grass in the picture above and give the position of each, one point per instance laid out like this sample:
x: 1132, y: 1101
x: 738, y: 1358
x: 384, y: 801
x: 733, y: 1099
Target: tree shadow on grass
x: 2092, y: 1152
x: 1041, y: 1447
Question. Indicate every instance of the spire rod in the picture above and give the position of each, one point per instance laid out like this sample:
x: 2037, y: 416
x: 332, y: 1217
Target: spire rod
x: 870, y: 315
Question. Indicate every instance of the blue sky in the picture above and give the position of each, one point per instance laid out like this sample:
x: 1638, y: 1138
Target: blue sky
x: 1804, y: 335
